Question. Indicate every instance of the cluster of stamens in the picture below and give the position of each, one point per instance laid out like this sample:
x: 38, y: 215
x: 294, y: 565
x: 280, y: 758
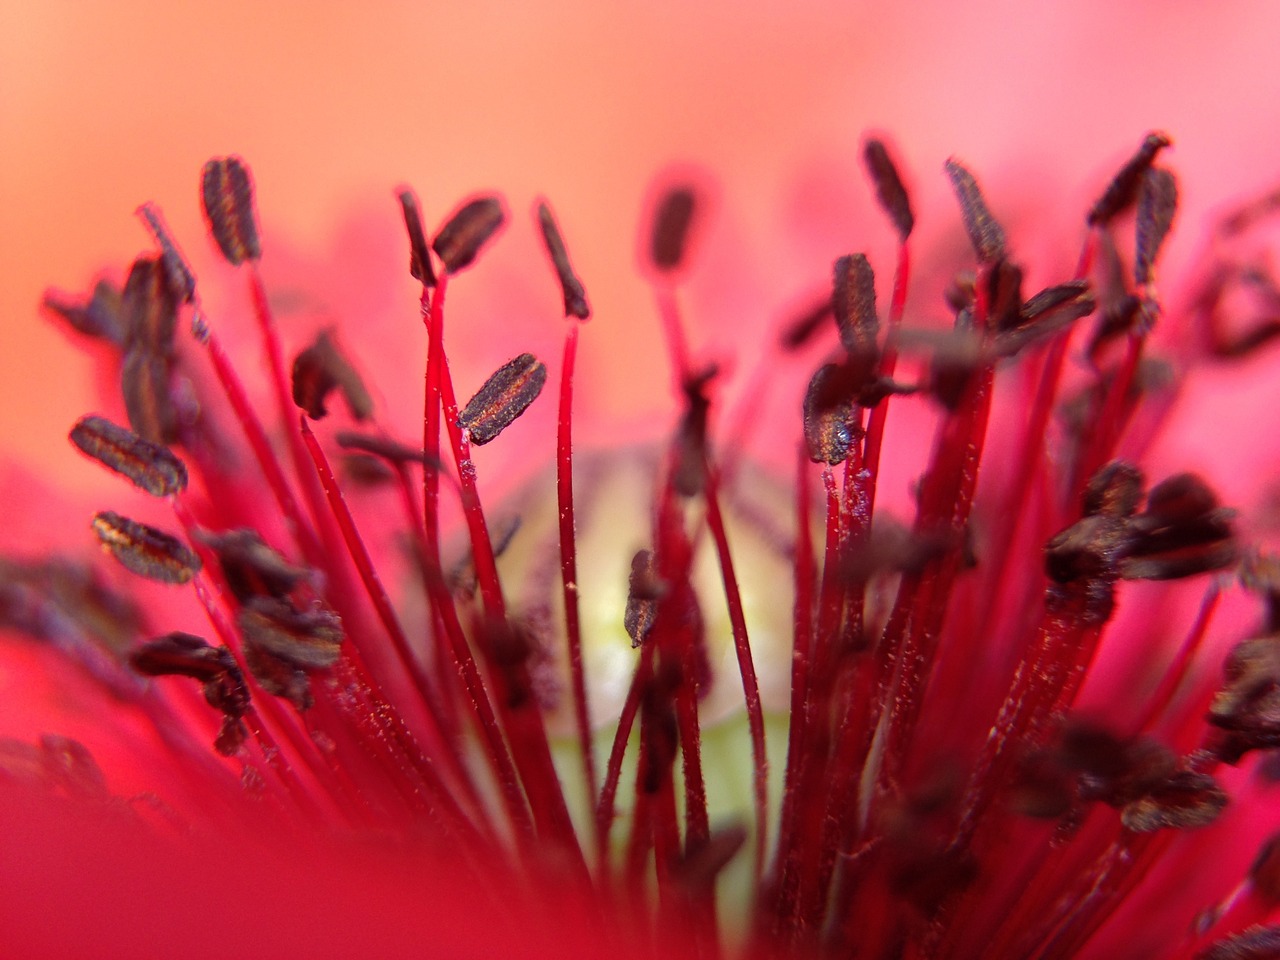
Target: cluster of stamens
x: 938, y: 799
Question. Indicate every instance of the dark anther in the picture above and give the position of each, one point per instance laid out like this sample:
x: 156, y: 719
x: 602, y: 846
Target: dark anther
x: 251, y: 567
x: 1185, y: 800
x: 985, y: 233
x: 223, y: 684
x: 1116, y: 490
x: 419, y: 255
x: 504, y: 396
x: 671, y: 225
x: 854, y: 303
x: 1123, y: 188
x: 1260, y: 574
x: 1120, y: 316
x: 1183, y: 531
x: 1254, y: 943
x: 381, y: 447
x: 698, y: 870
x: 308, y: 639
x: 150, y: 466
x: 145, y: 550
x: 575, y: 297
x: 1048, y: 312
x: 643, y: 590
x: 828, y: 415
x: 1247, y: 706
x: 1157, y: 203
x: 279, y: 677
x: 467, y: 231
x: 226, y: 190
x: 659, y: 731
x: 1004, y: 302
x: 689, y: 472
x: 462, y: 578
x: 801, y: 330
x: 510, y: 646
x: 181, y: 279
x: 319, y: 369
x: 151, y: 315
x: 102, y: 317
x: 889, y: 189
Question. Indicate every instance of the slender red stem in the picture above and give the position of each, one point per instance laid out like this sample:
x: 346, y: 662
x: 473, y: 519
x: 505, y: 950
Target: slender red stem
x: 569, y: 563
x: 746, y: 666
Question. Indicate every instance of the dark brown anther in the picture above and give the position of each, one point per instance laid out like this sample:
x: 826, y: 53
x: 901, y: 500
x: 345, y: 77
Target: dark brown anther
x: 385, y: 448
x: 308, y: 639
x: 1182, y: 532
x: 1260, y: 574
x: 1046, y: 314
x: 1123, y: 188
x: 671, y: 225
x: 1184, y: 801
x: 889, y: 189
x: 68, y: 605
x: 1122, y: 315
x: 224, y: 687
x: 689, y: 472
x: 1157, y: 203
x: 279, y: 677
x: 251, y: 567
x: 1254, y: 943
x: 180, y: 654
x: 643, y: 591
x: 1247, y: 706
x: 462, y: 578
x: 801, y: 330
x: 101, y: 318
x: 1051, y: 299
x: 319, y: 369
x: 419, y: 254
x: 178, y: 271
x: 467, y: 231
x: 985, y: 233
x: 145, y: 379
x: 150, y: 466
x: 511, y: 646
x: 698, y: 870
x: 575, y: 296
x: 226, y: 190
x: 1116, y: 490
x: 659, y: 730
x: 1004, y: 302
x: 854, y: 303
x: 145, y: 550
x: 828, y: 412
x: 504, y: 396
x: 151, y: 315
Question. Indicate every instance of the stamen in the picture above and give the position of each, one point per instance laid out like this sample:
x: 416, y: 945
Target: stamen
x: 671, y: 225
x: 1123, y: 188
x: 467, y: 231
x: 504, y: 396
x: 226, y: 190
x: 985, y: 233
x: 419, y: 255
x: 321, y: 368
x: 144, y: 550
x: 889, y: 189
x: 150, y: 466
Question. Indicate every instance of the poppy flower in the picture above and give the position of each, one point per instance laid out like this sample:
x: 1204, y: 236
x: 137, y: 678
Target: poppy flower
x: 779, y: 710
